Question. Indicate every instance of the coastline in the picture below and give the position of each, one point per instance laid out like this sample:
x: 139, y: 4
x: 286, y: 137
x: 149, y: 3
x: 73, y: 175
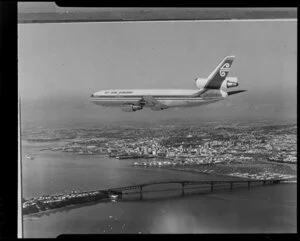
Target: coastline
x: 66, y: 208
x: 212, y: 173
x: 201, y: 172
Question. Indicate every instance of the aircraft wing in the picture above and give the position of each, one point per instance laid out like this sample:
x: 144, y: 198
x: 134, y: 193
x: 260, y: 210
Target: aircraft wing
x: 149, y: 101
x: 235, y: 92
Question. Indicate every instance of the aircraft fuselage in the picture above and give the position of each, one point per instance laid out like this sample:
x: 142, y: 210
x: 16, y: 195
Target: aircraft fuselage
x: 168, y: 97
x: 209, y: 90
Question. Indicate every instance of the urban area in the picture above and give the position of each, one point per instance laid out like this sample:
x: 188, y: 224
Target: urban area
x: 255, y: 151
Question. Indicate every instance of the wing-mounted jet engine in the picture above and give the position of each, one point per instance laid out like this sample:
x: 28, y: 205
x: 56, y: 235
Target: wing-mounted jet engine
x: 131, y: 108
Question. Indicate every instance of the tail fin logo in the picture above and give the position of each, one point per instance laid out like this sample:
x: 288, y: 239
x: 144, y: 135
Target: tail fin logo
x: 225, y: 68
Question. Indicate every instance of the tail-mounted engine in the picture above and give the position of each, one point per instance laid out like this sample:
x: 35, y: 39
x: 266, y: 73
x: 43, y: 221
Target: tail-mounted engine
x: 200, y: 82
x: 230, y: 82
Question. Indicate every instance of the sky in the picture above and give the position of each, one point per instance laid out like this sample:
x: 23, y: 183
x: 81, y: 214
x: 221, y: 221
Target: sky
x: 61, y: 65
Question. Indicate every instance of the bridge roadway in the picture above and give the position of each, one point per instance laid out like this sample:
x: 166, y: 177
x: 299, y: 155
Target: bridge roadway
x: 119, y: 190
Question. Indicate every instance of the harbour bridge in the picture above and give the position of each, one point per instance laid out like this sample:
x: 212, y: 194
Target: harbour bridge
x: 183, y: 183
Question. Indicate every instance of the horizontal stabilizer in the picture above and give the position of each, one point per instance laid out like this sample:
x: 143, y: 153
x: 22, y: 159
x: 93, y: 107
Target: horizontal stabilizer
x: 235, y: 92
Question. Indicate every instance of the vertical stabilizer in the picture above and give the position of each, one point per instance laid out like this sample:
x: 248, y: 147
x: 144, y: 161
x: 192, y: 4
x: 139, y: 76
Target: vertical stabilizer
x: 216, y: 78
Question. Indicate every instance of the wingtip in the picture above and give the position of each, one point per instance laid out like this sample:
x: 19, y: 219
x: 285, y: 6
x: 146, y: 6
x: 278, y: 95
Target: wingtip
x: 235, y: 92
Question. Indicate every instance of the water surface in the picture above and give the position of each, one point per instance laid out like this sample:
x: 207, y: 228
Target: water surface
x: 262, y: 209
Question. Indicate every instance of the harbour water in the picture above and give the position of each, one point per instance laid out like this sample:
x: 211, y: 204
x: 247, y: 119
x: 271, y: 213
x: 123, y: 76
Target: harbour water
x: 262, y: 209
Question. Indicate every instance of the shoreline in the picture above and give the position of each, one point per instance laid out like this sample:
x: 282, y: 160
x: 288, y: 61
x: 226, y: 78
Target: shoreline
x: 211, y: 173
x: 72, y: 206
x: 107, y: 199
x: 181, y: 169
x: 207, y: 173
x: 28, y: 217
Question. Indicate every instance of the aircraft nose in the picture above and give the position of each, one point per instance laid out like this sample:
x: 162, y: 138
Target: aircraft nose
x: 94, y: 95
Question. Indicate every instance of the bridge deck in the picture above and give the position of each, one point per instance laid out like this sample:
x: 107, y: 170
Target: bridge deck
x: 189, y: 182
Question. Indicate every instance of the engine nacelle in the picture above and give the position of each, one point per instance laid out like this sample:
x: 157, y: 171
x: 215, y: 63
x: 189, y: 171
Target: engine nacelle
x: 230, y: 82
x: 200, y: 82
x: 131, y: 108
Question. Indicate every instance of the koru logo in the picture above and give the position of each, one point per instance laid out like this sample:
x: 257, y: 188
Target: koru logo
x: 224, y: 69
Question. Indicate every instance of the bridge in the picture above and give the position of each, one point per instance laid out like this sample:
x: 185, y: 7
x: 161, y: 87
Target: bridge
x: 184, y: 183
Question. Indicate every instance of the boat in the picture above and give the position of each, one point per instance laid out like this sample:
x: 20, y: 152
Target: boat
x: 113, y: 196
x: 29, y: 157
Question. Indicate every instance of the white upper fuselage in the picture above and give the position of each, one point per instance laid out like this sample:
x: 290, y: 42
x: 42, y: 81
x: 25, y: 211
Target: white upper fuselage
x: 168, y: 97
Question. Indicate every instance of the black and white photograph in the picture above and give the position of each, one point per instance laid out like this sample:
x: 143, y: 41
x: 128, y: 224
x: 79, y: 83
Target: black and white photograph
x: 156, y: 127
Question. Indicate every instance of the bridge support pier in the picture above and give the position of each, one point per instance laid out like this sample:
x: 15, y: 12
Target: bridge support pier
x: 123, y: 190
x: 182, y: 188
x: 141, y: 192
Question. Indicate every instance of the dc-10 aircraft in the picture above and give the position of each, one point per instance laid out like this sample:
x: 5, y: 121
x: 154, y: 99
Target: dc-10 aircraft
x: 210, y: 90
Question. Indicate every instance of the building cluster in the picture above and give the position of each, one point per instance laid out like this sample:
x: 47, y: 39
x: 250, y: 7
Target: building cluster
x: 190, y: 149
x: 46, y: 135
x: 262, y: 175
x: 237, y: 152
x: 47, y: 202
x: 196, y: 146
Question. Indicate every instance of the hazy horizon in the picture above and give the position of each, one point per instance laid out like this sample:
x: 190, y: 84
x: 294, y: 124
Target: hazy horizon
x: 61, y: 65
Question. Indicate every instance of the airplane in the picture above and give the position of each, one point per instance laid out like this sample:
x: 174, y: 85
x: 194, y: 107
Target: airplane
x: 209, y: 90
